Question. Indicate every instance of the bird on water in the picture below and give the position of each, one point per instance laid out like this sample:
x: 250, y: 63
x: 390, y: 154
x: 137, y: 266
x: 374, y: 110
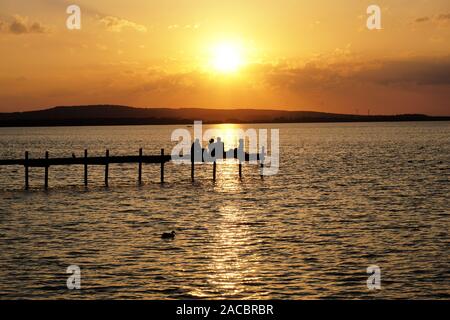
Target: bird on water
x: 167, y: 235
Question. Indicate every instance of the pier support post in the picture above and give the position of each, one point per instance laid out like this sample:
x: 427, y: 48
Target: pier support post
x: 240, y: 170
x: 192, y: 169
x: 27, y: 185
x: 162, y: 165
x: 214, y: 170
x: 262, y: 156
x: 46, y: 171
x: 85, y: 168
x: 140, y: 167
x: 106, y: 168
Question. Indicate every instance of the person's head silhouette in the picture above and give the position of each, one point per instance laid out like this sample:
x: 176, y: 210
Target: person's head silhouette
x: 211, y: 140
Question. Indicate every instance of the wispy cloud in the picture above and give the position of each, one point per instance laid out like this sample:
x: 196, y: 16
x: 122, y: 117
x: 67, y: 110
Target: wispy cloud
x: 21, y: 25
x: 422, y: 19
x: 418, y: 71
x: 440, y: 19
x: 315, y: 76
x: 187, y: 26
x: 116, y: 24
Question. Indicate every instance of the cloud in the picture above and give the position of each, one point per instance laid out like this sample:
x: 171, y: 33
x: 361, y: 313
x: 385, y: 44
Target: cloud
x: 187, y: 26
x: 422, y: 19
x: 115, y: 24
x: 418, y: 71
x: 36, y: 27
x: 20, y: 25
x: 166, y: 82
x: 317, y: 76
x: 438, y: 19
x: 314, y: 76
x: 444, y: 16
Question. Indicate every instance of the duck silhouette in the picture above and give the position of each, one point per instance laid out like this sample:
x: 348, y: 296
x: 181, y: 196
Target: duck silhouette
x: 168, y: 235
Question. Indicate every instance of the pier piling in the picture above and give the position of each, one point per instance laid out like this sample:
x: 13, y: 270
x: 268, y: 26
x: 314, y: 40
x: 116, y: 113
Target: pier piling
x: 46, y: 171
x: 214, y: 170
x: 240, y: 170
x: 106, y: 168
x: 162, y: 165
x: 140, y: 167
x: 27, y: 186
x: 85, y: 168
x: 261, y: 160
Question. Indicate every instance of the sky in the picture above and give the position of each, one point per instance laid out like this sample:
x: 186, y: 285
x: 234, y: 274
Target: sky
x: 261, y: 54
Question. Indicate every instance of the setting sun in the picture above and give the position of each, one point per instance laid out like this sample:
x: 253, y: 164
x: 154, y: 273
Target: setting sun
x: 227, y: 57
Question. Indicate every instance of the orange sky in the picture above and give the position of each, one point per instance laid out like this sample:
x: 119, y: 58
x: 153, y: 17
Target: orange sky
x: 293, y: 54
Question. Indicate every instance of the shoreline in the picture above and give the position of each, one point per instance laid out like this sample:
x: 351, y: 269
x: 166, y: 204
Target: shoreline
x: 146, y: 122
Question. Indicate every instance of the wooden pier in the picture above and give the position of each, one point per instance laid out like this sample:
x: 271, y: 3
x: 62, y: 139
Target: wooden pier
x: 105, y: 161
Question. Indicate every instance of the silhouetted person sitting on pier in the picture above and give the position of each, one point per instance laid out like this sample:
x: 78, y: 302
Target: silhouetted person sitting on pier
x: 211, y: 148
x: 74, y: 156
x: 215, y: 151
x: 237, y: 153
x: 220, y: 147
x: 196, y: 151
x: 240, y: 151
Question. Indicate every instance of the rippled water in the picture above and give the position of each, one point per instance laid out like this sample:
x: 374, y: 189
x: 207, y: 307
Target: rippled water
x: 347, y: 196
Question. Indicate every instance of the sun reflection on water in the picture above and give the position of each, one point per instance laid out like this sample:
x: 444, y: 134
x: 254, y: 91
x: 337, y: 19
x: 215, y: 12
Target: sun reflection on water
x: 234, y: 260
x: 229, y: 134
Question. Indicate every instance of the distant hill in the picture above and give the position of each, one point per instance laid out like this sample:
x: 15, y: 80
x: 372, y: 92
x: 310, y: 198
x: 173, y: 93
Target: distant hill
x: 123, y: 115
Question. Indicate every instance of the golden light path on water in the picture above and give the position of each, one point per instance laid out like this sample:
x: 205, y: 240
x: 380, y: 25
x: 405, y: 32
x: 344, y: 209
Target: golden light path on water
x: 233, y: 259
x: 228, y: 133
x: 231, y: 266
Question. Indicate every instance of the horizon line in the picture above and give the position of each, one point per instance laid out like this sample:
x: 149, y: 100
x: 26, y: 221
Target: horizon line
x: 46, y: 108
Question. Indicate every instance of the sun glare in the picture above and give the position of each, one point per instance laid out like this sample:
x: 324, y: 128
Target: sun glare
x: 227, y: 57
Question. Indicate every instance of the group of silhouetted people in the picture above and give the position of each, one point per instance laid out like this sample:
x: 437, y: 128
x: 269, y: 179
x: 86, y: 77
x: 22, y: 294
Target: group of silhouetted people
x: 215, y: 150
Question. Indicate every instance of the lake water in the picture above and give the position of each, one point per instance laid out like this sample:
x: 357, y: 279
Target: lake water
x: 347, y: 196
